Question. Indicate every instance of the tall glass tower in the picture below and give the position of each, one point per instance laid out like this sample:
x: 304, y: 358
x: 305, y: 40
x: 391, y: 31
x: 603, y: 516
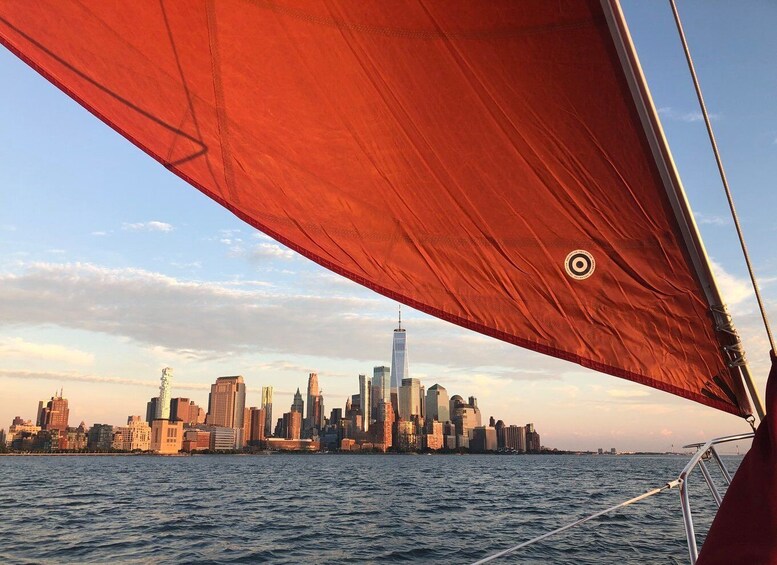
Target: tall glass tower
x: 163, y: 404
x: 399, y: 369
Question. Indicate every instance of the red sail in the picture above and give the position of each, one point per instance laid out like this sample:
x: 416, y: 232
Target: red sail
x: 485, y: 162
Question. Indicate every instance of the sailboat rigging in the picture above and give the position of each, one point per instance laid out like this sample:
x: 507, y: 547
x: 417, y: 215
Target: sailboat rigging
x: 500, y: 166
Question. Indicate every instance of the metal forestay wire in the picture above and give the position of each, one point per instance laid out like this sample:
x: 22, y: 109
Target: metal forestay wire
x: 667, y: 486
x: 721, y: 170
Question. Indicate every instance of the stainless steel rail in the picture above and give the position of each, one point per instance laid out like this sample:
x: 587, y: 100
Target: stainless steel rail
x: 704, y: 452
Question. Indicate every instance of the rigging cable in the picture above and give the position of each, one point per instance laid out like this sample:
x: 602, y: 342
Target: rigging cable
x: 673, y: 484
x: 722, y: 172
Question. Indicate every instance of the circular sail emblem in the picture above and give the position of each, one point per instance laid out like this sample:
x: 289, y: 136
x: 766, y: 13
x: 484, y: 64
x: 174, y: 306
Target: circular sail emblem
x: 579, y: 264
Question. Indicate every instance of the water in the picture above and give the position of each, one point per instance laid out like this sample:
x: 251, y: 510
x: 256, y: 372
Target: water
x: 340, y: 508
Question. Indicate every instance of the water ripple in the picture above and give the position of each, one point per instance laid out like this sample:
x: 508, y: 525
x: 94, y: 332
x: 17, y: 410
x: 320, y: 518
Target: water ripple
x: 338, y: 508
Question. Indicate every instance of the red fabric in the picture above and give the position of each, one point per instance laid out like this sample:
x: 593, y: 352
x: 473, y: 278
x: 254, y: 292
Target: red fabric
x: 450, y: 155
x: 745, y: 528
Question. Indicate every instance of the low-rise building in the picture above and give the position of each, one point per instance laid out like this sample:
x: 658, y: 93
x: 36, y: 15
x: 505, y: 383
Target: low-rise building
x: 166, y: 436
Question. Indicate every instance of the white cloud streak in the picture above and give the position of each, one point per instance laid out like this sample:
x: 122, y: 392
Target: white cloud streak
x: 147, y: 226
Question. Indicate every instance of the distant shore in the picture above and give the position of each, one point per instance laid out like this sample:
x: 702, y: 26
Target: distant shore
x: 363, y: 453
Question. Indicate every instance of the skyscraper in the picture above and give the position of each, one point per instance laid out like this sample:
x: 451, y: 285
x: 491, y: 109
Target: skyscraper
x: 313, y: 419
x: 399, y: 367
x: 163, y: 405
x: 409, y: 399
x: 381, y: 388
x: 437, y: 404
x: 364, y: 400
x: 56, y: 413
x: 298, y: 405
x: 226, y: 402
x: 267, y: 405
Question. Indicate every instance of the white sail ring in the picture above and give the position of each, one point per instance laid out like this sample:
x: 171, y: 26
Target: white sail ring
x: 580, y: 264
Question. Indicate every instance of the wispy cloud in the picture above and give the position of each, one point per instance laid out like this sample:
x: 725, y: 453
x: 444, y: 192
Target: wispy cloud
x: 627, y: 393
x: 90, y: 378
x: 681, y: 116
x: 7, y: 227
x: 711, y: 219
x: 147, y: 226
x: 99, y: 233
x: 23, y: 350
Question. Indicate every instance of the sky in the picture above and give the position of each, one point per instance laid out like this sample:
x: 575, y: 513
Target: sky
x: 111, y: 268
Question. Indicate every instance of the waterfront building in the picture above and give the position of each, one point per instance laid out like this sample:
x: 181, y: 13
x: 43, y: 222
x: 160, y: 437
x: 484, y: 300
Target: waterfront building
x: 100, y: 437
x: 258, y: 422
x: 381, y: 388
x: 195, y: 440
x: 437, y: 404
x: 365, y: 405
x: 77, y: 439
x: 410, y: 399
x: 433, y: 439
x: 163, y: 405
x: 223, y: 438
x: 499, y: 426
x: 483, y: 439
x: 407, y: 436
x: 515, y: 438
x: 226, y: 405
x: 20, y: 429
x: 532, y: 439
x: 166, y: 436
x: 292, y: 425
x: 267, y: 406
x: 399, y: 361
x: 281, y: 444
x: 136, y: 435
x: 55, y: 414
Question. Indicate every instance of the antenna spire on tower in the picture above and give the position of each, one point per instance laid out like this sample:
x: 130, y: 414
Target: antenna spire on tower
x: 400, y: 316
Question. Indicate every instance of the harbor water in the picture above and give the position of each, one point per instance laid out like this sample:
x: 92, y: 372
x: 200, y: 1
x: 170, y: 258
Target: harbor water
x: 333, y: 508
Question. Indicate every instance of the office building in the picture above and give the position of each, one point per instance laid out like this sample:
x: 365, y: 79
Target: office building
x: 399, y: 361
x: 410, y: 399
x: 365, y: 405
x: 226, y: 402
x: 381, y: 388
x: 437, y: 404
x: 55, y: 414
x: 267, y: 405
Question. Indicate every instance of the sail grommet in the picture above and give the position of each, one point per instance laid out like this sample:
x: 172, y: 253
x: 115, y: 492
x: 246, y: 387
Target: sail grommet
x: 579, y: 264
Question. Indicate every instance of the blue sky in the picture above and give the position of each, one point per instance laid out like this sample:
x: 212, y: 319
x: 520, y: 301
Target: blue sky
x: 111, y: 268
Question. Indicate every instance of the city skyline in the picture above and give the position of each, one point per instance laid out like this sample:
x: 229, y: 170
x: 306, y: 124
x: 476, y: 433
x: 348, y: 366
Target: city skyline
x: 98, y: 298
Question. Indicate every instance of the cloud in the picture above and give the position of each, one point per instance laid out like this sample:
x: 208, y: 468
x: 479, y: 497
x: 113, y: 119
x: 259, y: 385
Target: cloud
x: 271, y: 250
x: 89, y: 378
x: 734, y: 290
x: 148, y: 226
x: 712, y: 219
x: 99, y: 233
x: 627, y: 393
x: 20, y: 349
x: 218, y: 320
x: 7, y: 227
x: 688, y: 117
